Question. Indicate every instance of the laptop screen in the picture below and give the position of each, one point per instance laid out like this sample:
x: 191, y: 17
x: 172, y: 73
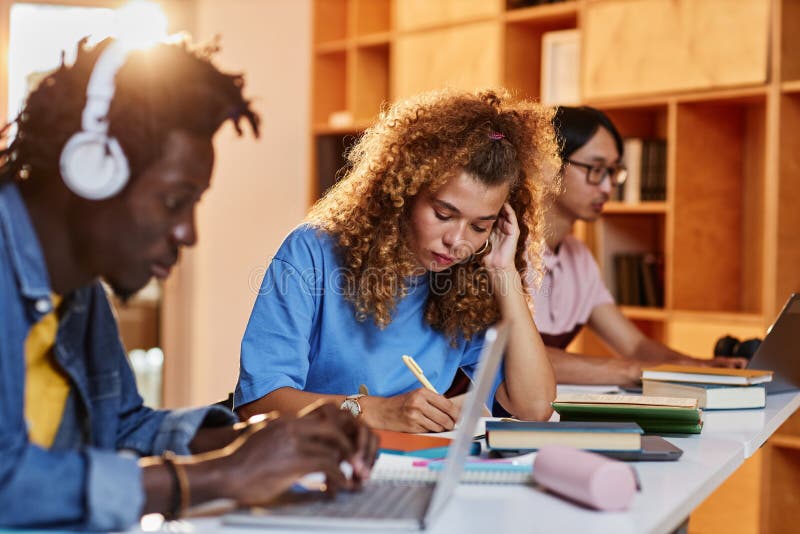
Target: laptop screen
x: 491, y: 355
x: 780, y: 350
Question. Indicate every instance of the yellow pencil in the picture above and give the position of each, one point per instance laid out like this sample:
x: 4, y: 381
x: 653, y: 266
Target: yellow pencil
x: 417, y: 370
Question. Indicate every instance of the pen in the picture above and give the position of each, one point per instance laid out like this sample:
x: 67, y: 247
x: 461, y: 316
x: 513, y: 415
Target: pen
x: 412, y: 365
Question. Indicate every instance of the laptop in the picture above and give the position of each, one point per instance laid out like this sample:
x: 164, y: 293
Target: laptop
x: 390, y: 505
x: 780, y: 350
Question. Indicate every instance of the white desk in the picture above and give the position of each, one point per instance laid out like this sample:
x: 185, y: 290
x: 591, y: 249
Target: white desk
x: 751, y: 428
x: 670, y: 490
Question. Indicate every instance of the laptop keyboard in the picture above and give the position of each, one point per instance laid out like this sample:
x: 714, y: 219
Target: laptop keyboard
x: 394, y: 500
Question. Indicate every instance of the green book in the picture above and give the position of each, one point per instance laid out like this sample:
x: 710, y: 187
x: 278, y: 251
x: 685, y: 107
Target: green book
x: 654, y: 414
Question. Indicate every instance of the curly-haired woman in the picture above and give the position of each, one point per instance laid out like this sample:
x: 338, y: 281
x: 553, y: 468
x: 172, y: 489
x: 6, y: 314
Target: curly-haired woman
x: 417, y: 250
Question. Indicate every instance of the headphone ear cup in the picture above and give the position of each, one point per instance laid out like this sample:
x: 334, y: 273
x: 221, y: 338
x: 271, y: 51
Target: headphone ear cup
x: 748, y: 348
x: 94, y: 166
x: 726, y: 346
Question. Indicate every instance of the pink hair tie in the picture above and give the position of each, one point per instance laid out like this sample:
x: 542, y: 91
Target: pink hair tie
x: 496, y: 136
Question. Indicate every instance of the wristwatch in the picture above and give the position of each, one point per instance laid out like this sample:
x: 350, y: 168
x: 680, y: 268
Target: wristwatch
x: 352, y: 405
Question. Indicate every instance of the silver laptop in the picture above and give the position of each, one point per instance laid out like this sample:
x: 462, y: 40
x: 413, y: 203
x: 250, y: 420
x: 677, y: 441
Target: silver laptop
x: 780, y: 350
x: 395, y: 505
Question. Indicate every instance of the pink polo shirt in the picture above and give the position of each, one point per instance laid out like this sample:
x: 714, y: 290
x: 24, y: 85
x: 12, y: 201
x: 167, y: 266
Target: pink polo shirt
x: 571, y: 288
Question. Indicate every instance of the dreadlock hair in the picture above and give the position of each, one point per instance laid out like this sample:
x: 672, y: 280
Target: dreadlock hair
x: 417, y: 145
x: 168, y: 87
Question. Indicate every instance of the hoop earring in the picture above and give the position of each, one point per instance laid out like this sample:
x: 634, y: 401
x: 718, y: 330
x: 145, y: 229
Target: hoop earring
x: 484, y: 248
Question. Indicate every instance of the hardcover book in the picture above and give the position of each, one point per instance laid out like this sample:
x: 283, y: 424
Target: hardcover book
x: 658, y: 415
x: 595, y: 436
x: 707, y: 375
x: 710, y: 396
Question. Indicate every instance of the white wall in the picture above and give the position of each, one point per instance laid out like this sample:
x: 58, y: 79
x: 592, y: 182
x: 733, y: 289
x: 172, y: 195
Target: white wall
x: 259, y: 188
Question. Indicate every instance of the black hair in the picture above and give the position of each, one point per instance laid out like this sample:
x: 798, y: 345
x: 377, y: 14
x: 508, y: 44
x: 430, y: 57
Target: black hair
x: 169, y: 87
x: 575, y: 126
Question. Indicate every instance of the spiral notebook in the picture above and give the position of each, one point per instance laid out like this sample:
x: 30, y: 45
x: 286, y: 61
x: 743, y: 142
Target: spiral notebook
x: 390, y: 504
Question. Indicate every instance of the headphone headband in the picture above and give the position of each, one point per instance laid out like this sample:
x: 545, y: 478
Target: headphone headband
x: 93, y: 164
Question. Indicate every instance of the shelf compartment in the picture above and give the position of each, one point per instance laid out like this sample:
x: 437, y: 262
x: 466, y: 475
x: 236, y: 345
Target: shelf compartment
x: 788, y: 238
x: 331, y: 162
x: 783, y: 479
x: 372, y: 16
x: 330, y: 20
x: 630, y: 252
x: 718, y: 206
x: 371, y: 84
x: 522, y: 69
x: 330, y: 85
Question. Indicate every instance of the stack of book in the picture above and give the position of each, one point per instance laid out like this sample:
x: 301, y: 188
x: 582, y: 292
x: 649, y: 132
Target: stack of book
x: 656, y: 415
x: 713, y: 388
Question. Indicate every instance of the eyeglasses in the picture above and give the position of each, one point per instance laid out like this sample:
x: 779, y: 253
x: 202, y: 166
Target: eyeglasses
x: 595, y: 174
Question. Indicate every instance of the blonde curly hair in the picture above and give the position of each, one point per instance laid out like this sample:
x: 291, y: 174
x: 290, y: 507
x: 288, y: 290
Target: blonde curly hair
x: 419, y: 144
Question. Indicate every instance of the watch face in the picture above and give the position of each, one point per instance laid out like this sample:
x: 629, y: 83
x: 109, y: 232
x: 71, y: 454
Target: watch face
x: 352, y: 406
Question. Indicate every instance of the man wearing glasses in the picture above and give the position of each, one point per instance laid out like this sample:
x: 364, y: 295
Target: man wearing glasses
x: 572, y: 293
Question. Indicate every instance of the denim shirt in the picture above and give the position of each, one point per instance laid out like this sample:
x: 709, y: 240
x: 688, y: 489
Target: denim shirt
x: 89, y: 479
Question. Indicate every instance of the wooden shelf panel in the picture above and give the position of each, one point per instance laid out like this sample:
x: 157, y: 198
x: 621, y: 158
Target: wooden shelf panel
x: 374, y: 39
x: 331, y: 47
x: 563, y: 12
x: 744, y: 319
x: 791, y: 86
x: 754, y: 93
x: 330, y: 20
x: 641, y: 313
x: 621, y: 208
x: 785, y: 442
x: 371, y: 16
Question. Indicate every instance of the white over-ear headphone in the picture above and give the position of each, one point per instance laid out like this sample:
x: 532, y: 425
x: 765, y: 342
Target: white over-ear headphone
x: 93, y: 164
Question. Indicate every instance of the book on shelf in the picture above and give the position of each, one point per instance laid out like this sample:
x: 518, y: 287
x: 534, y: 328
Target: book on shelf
x: 646, y: 160
x: 638, y: 278
x: 706, y: 375
x: 654, y: 414
x: 709, y: 396
x: 595, y: 436
x: 630, y: 191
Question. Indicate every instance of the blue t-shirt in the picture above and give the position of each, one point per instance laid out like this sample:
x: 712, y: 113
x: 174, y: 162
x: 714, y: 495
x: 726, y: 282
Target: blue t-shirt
x: 303, y: 333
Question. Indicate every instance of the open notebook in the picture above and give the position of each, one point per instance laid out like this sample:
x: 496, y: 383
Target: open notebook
x: 390, y: 504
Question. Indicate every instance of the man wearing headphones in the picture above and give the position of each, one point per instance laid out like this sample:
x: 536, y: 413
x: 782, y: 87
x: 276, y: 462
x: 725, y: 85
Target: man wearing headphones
x: 101, y: 180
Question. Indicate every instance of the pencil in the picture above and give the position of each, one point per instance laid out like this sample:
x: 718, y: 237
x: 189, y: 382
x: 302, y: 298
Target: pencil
x: 417, y: 370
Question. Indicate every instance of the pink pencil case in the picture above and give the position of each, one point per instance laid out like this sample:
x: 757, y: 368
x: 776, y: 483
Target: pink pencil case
x: 591, y: 479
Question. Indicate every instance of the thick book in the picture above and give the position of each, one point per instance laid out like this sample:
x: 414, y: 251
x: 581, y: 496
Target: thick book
x: 710, y: 396
x: 706, y: 375
x: 658, y: 415
x: 594, y: 436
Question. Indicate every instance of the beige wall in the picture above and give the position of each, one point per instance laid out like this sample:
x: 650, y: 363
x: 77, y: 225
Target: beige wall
x: 258, y: 192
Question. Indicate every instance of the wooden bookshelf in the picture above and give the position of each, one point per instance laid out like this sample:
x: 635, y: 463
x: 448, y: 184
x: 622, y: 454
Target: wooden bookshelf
x: 727, y: 109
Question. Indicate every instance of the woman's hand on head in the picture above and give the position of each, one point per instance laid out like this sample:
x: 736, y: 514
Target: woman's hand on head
x: 268, y: 460
x: 420, y: 410
x: 504, y: 239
